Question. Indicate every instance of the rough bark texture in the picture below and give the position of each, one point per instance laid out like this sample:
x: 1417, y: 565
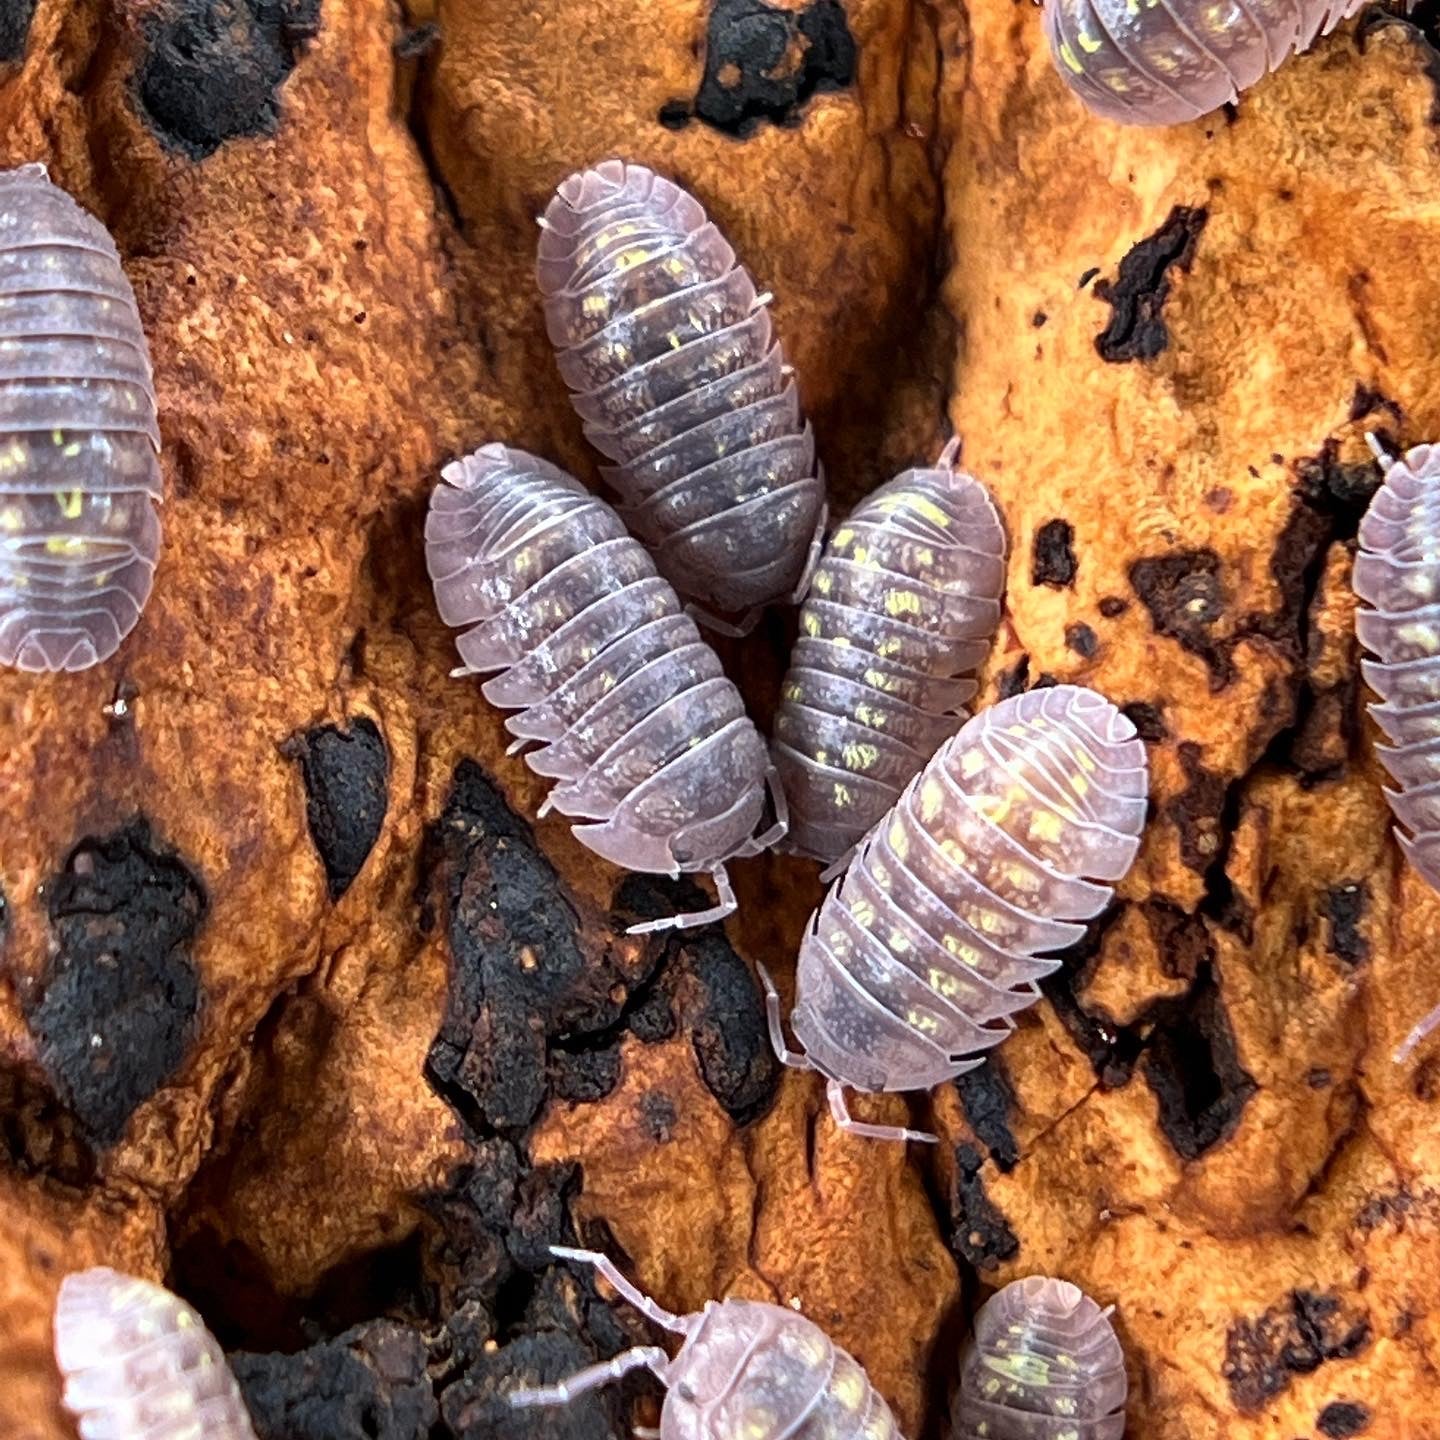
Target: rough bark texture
x: 300, y: 1011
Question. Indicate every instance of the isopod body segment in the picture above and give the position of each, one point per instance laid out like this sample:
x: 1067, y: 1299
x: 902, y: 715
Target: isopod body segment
x: 745, y: 1368
x: 139, y: 1364
x: 79, y: 474
x: 1397, y: 574
x: 1012, y: 835
x: 631, y: 715
x: 672, y: 366
x: 900, y: 612
x: 1044, y: 1362
x: 1164, y: 62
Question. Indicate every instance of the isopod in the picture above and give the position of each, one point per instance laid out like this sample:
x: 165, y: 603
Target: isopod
x: 79, y: 474
x: 667, y: 350
x: 745, y: 1368
x: 1164, y: 62
x: 139, y: 1364
x: 930, y: 942
x: 633, y: 716
x: 899, y: 614
x: 1044, y: 1362
x: 1398, y: 573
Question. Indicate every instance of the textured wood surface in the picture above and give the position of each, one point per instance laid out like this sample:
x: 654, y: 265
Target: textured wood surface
x: 298, y: 1009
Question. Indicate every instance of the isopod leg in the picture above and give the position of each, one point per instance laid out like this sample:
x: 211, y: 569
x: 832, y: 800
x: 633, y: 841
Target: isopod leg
x: 1383, y: 457
x: 759, y: 844
x: 795, y: 1059
x: 812, y: 556
x: 949, y: 455
x: 1422, y: 1029
x: 592, y: 1377
x: 725, y: 905
x: 841, y: 1111
x: 738, y: 631
x: 838, y: 866
x: 626, y: 1289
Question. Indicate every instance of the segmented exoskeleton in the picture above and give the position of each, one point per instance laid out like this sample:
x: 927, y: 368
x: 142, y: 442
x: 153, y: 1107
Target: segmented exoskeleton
x: 1044, y: 1362
x: 745, y: 1369
x: 931, y: 941
x: 1398, y: 573
x: 634, y: 717
x: 667, y: 350
x: 900, y: 612
x: 139, y: 1364
x: 79, y: 478
x: 1163, y: 62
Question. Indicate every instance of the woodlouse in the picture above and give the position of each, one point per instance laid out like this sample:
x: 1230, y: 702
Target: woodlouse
x: 1398, y: 573
x: 635, y: 720
x: 1044, y: 1363
x: 668, y: 354
x: 918, y: 957
x: 139, y: 1364
x: 1164, y: 62
x: 900, y: 612
x: 745, y: 1368
x: 79, y: 474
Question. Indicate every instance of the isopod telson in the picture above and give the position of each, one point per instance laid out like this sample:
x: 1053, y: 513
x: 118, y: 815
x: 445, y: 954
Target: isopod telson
x: 1398, y: 573
x: 745, y: 1368
x: 634, y: 719
x: 933, y: 938
x: 900, y: 612
x: 139, y: 1364
x: 79, y: 477
x: 668, y: 353
x: 1044, y: 1362
x: 1164, y: 62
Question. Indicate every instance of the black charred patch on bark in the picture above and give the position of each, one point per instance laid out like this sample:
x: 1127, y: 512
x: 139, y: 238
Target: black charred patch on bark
x: 988, y: 1098
x: 1052, y: 560
x: 346, y: 775
x: 980, y: 1233
x: 1137, y: 295
x: 1185, y: 597
x: 1295, y: 1337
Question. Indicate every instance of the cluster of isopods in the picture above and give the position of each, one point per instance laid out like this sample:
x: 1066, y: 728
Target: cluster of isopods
x: 970, y: 850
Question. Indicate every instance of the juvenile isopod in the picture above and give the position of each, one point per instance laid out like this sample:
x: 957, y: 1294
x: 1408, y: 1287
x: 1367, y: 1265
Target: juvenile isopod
x: 667, y: 350
x: 931, y: 941
x: 1044, y: 1362
x: 1163, y: 62
x: 744, y: 1369
x: 139, y: 1364
x: 1398, y: 573
x: 632, y: 715
x: 899, y: 614
x: 79, y: 474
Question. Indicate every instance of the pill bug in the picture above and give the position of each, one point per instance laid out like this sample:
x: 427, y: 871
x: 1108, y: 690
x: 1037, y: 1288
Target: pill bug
x: 900, y: 611
x: 79, y: 477
x: 1164, y: 62
x: 930, y: 942
x: 745, y: 1368
x: 631, y: 711
x: 667, y: 350
x: 139, y: 1364
x: 1397, y: 572
x: 1044, y: 1363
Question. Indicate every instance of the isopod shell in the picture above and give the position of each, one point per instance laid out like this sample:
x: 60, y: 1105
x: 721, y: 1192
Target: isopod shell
x: 1164, y: 62
x: 900, y: 612
x: 79, y: 475
x: 745, y: 1369
x: 633, y: 717
x: 1397, y: 572
x: 1044, y: 1363
x: 1011, y: 836
x: 668, y: 353
x: 139, y: 1364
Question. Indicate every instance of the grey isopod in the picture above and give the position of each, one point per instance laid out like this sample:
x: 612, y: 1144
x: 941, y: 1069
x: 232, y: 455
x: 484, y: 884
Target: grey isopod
x: 1044, y: 1362
x: 900, y: 612
x: 634, y: 718
x: 745, y: 1368
x: 1163, y: 62
x: 668, y: 353
x: 918, y: 957
x: 139, y: 1364
x: 79, y: 477
x: 1398, y: 573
